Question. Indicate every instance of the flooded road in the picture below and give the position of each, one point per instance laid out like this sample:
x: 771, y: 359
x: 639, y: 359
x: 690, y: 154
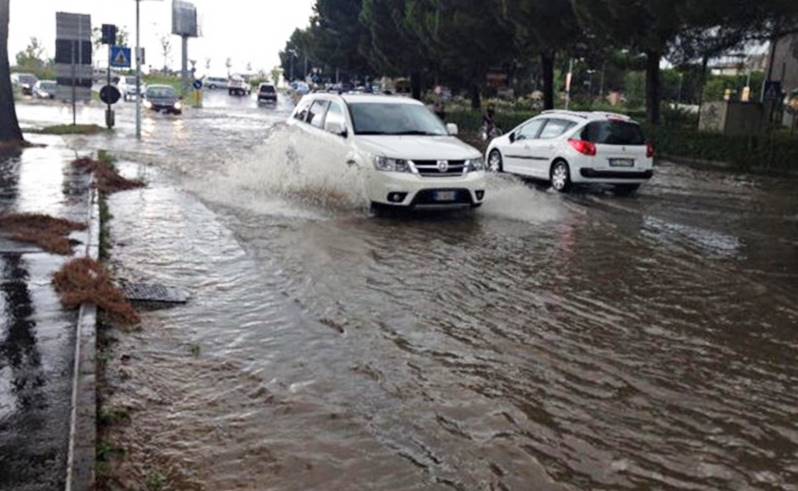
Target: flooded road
x: 544, y: 342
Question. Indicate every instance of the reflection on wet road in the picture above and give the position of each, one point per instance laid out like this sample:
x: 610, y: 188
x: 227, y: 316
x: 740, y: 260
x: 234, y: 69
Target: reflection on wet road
x: 580, y: 342
x: 36, y: 336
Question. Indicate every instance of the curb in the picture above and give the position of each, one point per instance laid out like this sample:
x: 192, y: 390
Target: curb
x: 83, y: 425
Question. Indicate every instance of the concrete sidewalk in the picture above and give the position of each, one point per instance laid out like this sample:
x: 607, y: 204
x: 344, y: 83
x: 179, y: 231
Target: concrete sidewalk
x: 37, y: 337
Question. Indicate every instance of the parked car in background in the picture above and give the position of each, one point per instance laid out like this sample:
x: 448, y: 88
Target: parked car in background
x: 238, y: 86
x: 25, y: 81
x: 45, y: 89
x: 213, y: 83
x: 163, y: 98
x: 568, y: 148
x: 408, y: 157
x: 127, y: 87
x: 267, y: 94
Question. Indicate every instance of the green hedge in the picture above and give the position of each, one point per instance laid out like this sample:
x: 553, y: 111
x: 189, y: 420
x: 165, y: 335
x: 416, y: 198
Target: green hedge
x: 775, y: 151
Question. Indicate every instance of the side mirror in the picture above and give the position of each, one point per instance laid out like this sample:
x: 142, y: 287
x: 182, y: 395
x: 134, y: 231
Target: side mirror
x: 336, y: 128
x: 452, y: 129
x: 512, y: 137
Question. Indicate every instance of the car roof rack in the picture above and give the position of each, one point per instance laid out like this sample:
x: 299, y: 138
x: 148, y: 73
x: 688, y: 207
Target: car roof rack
x: 563, y: 112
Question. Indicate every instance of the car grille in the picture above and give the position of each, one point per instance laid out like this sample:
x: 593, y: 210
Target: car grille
x: 430, y: 168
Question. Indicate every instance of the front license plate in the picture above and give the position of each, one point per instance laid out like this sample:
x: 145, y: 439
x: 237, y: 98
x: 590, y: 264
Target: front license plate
x: 445, y: 195
x: 622, y: 163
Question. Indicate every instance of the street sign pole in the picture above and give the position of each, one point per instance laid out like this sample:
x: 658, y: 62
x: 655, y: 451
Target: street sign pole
x: 138, y: 70
x: 74, y: 90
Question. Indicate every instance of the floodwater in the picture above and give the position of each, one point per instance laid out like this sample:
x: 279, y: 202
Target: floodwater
x: 543, y: 342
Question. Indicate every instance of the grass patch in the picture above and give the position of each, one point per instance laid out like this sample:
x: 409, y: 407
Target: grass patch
x: 174, y: 82
x: 108, y: 417
x: 69, y: 129
x: 155, y: 482
x: 51, y: 234
x: 87, y: 281
x: 108, y: 179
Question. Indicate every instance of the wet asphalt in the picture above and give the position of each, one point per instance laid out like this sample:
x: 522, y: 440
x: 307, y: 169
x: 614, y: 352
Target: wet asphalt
x: 545, y: 342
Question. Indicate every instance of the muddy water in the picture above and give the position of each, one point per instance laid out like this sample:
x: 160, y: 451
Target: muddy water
x: 545, y: 342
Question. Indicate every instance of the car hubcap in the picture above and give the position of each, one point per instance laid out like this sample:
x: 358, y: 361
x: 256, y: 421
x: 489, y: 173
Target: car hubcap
x: 495, y: 162
x: 559, y: 177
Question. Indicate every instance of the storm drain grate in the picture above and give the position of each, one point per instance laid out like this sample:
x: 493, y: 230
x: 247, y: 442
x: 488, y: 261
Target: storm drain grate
x: 150, y: 292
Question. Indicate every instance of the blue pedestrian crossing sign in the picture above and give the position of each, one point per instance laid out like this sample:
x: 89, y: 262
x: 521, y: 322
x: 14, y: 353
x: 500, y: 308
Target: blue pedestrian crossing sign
x: 120, y: 57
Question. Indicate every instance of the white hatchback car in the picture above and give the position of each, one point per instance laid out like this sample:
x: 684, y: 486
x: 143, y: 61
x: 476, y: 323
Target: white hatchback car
x: 568, y: 148
x: 410, y: 158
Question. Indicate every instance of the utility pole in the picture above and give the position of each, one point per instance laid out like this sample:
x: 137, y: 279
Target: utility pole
x: 138, y: 70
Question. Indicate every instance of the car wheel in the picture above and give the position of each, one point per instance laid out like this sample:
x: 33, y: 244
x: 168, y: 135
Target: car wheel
x: 626, y: 189
x: 560, y: 176
x: 495, y: 162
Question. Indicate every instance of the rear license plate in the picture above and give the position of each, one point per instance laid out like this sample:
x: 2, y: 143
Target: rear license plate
x: 622, y: 163
x: 445, y: 195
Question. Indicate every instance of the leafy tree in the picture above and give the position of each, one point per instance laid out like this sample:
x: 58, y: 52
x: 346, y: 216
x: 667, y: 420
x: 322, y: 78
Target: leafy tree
x: 166, y: 49
x: 9, y: 125
x: 32, y: 58
x: 542, y: 28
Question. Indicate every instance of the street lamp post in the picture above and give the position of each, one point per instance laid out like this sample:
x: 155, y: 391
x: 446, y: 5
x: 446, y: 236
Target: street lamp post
x: 138, y: 69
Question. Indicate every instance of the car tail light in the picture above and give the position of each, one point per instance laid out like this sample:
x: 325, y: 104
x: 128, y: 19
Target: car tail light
x: 650, y: 151
x: 583, y: 147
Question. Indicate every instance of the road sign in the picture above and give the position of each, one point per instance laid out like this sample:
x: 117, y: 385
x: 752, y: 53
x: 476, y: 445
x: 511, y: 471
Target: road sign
x: 110, y: 94
x: 197, y: 85
x: 773, y: 90
x: 120, y: 57
x: 73, y: 57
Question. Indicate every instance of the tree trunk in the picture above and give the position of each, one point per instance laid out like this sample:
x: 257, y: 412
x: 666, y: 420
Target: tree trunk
x: 9, y: 125
x: 547, y: 66
x: 416, y: 84
x: 653, y: 89
x: 476, y: 97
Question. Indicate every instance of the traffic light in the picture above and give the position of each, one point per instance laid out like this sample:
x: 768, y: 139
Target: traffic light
x: 109, y: 34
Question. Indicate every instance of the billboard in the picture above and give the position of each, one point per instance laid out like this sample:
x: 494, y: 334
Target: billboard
x: 184, y: 19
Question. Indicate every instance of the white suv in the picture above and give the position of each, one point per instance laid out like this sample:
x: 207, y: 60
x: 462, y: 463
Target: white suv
x: 568, y: 148
x: 409, y: 157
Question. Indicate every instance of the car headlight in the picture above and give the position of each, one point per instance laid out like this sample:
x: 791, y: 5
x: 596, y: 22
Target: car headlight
x: 178, y: 105
x: 385, y: 164
x: 147, y: 104
x: 475, y: 165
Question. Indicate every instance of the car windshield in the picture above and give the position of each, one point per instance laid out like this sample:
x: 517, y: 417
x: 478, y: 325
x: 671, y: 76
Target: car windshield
x: 49, y: 86
x: 371, y: 118
x: 614, y: 133
x: 267, y: 89
x: 27, y: 79
x: 157, y: 92
x: 130, y: 80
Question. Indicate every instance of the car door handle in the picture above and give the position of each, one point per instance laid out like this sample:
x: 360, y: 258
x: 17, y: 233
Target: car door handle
x: 351, y: 163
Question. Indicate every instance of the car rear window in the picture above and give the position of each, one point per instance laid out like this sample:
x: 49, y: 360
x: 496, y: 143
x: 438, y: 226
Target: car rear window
x: 267, y: 89
x: 614, y: 133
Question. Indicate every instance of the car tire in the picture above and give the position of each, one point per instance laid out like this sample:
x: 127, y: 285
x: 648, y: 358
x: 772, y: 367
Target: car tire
x: 560, y: 176
x: 626, y: 189
x: 495, y: 161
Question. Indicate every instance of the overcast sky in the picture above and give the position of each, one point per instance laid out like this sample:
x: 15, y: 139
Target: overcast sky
x: 248, y: 31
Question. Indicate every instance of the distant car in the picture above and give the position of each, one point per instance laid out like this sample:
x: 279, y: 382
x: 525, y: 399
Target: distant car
x: 45, y: 89
x: 25, y: 81
x: 568, y: 148
x: 238, y: 86
x: 163, y: 98
x: 213, y: 83
x: 408, y: 158
x: 267, y: 94
x: 300, y: 88
x: 127, y: 87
